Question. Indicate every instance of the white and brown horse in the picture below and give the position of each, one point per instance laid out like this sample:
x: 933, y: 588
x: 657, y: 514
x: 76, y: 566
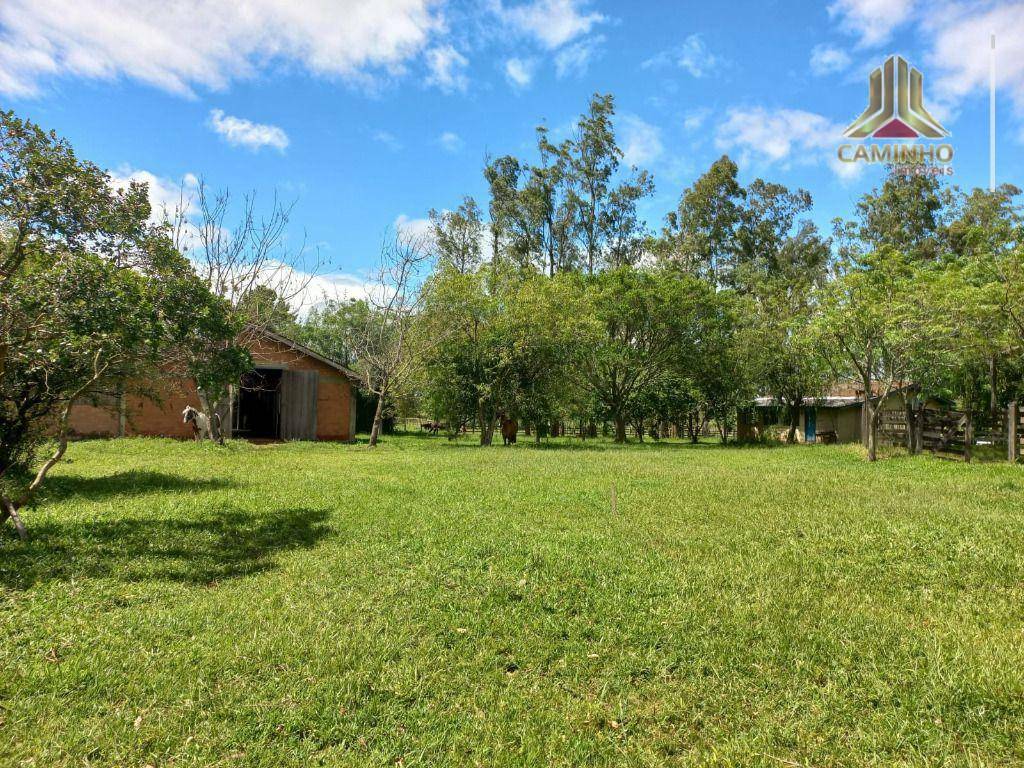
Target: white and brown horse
x: 202, y: 428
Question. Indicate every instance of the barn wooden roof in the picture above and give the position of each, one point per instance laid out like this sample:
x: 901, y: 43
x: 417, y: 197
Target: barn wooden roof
x: 304, y: 350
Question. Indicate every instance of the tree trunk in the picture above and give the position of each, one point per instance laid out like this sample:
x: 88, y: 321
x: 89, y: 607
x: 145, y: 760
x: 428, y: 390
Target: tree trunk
x: 969, y: 435
x: 866, y: 415
x: 872, y: 415
x: 1012, y: 444
x: 872, y: 436
x: 794, y: 423
x: 911, y: 427
x: 486, y: 422
x: 378, y: 419
x: 919, y: 429
x: 993, y: 382
x: 210, y: 408
x: 620, y: 428
x: 9, y: 511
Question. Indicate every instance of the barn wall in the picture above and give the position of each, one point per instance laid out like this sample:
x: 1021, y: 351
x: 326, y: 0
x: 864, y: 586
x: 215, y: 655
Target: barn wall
x: 845, y: 422
x: 161, y: 417
x: 94, y: 419
x: 334, y: 393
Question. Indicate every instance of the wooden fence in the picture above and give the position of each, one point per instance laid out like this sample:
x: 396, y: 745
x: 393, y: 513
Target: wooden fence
x: 953, y: 432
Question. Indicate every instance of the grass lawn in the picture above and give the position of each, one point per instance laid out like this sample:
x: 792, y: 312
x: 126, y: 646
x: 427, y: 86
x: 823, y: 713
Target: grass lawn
x: 435, y: 604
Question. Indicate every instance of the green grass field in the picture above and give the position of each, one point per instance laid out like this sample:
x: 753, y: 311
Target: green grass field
x: 430, y: 604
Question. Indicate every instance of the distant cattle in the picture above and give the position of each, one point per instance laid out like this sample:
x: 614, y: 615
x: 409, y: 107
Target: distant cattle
x: 433, y: 427
x: 509, y: 430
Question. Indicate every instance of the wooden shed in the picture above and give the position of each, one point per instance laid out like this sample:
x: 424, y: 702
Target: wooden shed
x: 292, y: 393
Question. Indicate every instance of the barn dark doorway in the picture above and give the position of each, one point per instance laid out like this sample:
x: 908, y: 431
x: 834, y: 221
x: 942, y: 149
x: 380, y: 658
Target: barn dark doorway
x: 258, y: 405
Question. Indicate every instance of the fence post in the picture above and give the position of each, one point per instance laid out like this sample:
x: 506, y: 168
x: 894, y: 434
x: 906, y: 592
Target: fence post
x: 1012, y: 441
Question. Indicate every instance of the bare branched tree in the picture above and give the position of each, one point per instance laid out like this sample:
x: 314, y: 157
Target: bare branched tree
x: 383, y: 344
x: 234, y: 260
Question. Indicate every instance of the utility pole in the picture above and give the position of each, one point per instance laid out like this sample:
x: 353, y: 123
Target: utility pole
x: 992, y: 115
x: 1012, y: 444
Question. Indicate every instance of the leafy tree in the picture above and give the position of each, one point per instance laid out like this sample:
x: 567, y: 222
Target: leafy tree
x: 767, y: 219
x: 720, y: 365
x: 867, y: 327
x: 963, y: 333
x: 502, y: 175
x: 458, y: 235
x: 646, y: 321
x: 906, y: 213
x: 593, y: 157
x: 506, y: 342
x: 567, y: 212
x: 91, y: 296
x: 264, y: 306
x: 468, y: 376
x: 985, y: 235
x: 700, y: 236
x: 784, y: 353
x: 545, y: 211
x: 331, y: 328
x: 625, y: 236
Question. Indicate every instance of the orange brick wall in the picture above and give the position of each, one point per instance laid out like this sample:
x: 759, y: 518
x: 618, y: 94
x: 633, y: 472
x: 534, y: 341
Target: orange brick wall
x: 88, y: 419
x: 161, y: 417
x: 334, y: 393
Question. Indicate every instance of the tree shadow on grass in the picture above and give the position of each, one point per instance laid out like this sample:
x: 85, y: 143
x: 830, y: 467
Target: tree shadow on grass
x: 130, y: 483
x: 228, y: 544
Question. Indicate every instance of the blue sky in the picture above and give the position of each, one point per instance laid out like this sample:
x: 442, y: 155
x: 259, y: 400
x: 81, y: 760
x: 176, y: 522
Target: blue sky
x: 372, y: 113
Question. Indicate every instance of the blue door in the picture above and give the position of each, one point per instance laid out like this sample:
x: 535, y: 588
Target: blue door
x: 810, y: 424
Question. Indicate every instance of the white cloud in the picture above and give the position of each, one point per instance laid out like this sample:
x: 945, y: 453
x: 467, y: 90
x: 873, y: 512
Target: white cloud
x: 827, y: 59
x: 575, y: 59
x: 695, y: 118
x: 959, y: 56
x: 240, y: 132
x: 447, y: 69
x: 641, y: 141
x: 872, y: 21
x: 178, y: 46
x: 388, y: 139
x: 450, y: 141
x: 519, y: 72
x: 166, y: 196
x: 418, y: 228
x: 783, y: 137
x: 313, y: 290
x: 305, y: 290
x: 693, y: 56
x: 552, y: 23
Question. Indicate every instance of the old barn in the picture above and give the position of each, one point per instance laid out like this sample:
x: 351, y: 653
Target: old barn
x: 837, y: 416
x: 292, y: 393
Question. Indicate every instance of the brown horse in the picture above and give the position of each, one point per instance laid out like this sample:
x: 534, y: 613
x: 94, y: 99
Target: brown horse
x: 509, y: 430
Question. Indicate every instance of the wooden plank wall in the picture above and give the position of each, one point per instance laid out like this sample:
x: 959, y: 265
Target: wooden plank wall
x: 298, y: 404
